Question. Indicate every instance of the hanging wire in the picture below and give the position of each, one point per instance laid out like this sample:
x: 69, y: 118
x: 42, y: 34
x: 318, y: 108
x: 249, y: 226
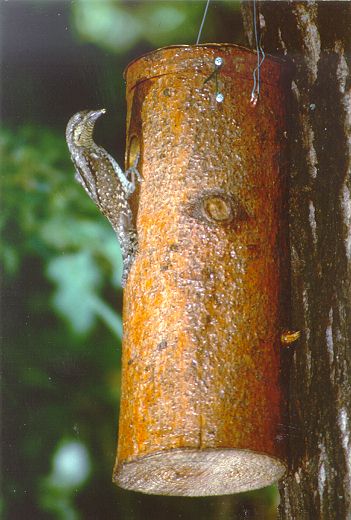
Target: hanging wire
x: 255, y: 93
x: 203, y: 21
x: 218, y: 62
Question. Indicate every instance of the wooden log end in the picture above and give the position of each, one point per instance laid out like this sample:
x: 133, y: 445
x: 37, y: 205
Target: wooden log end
x: 190, y: 472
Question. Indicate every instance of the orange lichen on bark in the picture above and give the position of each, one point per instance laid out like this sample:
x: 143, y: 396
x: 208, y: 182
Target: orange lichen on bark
x: 201, y: 406
x: 289, y: 336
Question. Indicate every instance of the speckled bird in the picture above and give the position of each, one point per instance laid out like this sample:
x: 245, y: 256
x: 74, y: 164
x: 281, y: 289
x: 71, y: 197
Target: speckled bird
x: 104, y: 181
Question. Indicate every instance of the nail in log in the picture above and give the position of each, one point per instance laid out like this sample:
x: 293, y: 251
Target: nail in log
x: 202, y: 404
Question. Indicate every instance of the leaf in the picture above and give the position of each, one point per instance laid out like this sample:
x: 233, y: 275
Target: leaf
x: 106, y: 23
x: 110, y: 318
x: 78, y: 279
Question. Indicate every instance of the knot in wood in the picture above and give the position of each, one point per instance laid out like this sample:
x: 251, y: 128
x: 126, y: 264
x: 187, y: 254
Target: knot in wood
x: 217, y: 208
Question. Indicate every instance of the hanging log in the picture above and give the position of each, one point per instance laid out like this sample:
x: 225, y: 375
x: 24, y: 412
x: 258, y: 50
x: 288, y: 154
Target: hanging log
x: 201, y: 408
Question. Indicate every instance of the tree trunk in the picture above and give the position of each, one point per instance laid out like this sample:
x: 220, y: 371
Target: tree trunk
x: 315, y: 36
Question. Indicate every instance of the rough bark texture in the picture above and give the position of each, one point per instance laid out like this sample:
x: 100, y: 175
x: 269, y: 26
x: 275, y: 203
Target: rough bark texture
x: 315, y: 36
x: 204, y: 306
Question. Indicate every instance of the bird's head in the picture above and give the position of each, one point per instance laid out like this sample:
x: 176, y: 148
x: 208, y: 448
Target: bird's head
x: 79, y: 130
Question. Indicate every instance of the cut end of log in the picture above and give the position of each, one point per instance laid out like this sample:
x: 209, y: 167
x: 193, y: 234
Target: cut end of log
x: 189, y: 472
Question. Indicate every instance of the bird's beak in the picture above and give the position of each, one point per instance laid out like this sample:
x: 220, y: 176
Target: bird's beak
x: 95, y: 114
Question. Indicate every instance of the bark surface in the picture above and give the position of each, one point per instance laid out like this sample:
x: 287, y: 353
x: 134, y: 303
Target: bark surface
x: 204, y: 306
x: 315, y: 37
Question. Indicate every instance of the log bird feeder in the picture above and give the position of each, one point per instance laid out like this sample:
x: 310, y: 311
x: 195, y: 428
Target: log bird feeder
x: 201, y: 407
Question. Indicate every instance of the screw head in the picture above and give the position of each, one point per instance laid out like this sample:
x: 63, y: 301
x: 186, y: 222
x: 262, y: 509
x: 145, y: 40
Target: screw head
x: 218, y: 61
x: 219, y: 97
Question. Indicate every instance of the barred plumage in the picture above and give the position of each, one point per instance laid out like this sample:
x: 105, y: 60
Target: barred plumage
x: 104, y: 181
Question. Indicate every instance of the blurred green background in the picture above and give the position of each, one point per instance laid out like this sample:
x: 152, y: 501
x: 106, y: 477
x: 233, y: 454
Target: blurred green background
x: 61, y: 264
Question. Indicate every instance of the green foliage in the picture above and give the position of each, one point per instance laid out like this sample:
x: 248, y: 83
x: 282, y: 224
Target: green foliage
x: 47, y: 215
x: 117, y: 25
x: 55, y: 249
x: 77, y: 278
x: 70, y: 470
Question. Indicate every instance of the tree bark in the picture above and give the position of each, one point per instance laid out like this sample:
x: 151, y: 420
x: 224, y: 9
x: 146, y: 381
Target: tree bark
x: 203, y: 307
x: 315, y: 37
